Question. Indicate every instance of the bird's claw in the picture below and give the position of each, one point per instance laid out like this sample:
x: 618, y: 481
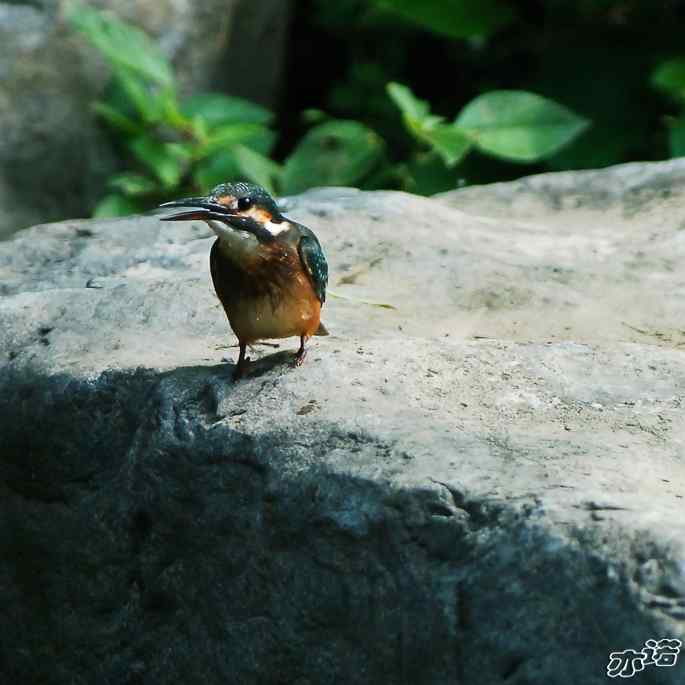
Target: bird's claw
x: 241, y: 369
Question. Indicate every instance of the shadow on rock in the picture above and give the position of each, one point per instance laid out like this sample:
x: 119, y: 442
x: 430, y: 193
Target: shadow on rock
x: 144, y: 533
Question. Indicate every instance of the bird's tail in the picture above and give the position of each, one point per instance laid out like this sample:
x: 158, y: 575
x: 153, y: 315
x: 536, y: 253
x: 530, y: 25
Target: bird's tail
x: 321, y: 330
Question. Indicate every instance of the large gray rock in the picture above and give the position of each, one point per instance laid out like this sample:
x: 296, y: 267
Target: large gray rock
x: 54, y: 156
x: 484, y: 485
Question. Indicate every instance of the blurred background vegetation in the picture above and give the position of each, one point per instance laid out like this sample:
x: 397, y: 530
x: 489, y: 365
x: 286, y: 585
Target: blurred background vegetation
x: 419, y: 95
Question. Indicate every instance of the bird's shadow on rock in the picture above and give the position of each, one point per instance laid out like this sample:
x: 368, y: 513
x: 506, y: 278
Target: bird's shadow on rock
x: 262, y: 365
x: 259, y: 362
x: 224, y: 372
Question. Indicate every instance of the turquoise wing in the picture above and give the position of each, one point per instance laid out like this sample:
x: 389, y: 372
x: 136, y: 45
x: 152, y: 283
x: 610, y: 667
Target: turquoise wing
x: 314, y: 262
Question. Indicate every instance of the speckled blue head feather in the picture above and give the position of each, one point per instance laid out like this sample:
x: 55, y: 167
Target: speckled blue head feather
x: 259, y: 196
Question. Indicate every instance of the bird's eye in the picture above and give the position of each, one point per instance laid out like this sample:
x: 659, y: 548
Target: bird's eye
x: 244, y: 203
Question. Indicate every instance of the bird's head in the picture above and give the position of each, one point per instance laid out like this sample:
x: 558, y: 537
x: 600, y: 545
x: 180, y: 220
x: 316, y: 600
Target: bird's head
x: 238, y: 206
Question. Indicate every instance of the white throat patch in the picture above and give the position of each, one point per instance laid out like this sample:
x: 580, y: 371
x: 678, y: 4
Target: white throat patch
x: 236, y: 245
x: 239, y: 245
x: 275, y: 228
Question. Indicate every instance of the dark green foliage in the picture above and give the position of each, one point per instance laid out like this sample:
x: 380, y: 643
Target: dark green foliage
x: 506, y: 82
x: 453, y: 18
x: 333, y: 153
x: 595, y: 57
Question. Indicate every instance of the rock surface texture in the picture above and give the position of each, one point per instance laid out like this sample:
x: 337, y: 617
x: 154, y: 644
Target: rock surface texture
x: 54, y: 157
x: 484, y: 485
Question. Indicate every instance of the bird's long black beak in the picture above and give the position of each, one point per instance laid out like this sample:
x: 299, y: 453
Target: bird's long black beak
x: 204, y: 209
x: 197, y: 208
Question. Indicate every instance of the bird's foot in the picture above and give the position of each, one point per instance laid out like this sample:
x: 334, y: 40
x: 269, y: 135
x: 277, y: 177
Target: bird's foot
x: 240, y: 370
x: 302, y: 352
x: 243, y: 361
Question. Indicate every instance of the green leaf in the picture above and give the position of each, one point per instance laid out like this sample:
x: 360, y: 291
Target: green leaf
x: 165, y: 160
x: 215, y: 109
x: 130, y: 92
x: 235, y: 163
x: 263, y: 142
x: 383, y: 176
x: 427, y: 174
x: 170, y: 110
x: 410, y: 106
x: 256, y: 167
x: 229, y: 134
x: 132, y: 184
x: 519, y: 126
x: 313, y: 116
x: 338, y: 152
x: 115, y: 205
x: 199, y: 129
x: 670, y: 77
x: 446, y: 139
x: 121, y: 44
x: 115, y: 118
x: 676, y: 137
x: 217, y: 168
x: 137, y: 94
x: 453, y: 18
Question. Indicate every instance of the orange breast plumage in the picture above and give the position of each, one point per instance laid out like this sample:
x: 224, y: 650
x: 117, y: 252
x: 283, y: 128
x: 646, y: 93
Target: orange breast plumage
x: 266, y: 296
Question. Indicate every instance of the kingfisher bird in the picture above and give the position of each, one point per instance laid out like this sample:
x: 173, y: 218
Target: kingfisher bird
x: 270, y: 273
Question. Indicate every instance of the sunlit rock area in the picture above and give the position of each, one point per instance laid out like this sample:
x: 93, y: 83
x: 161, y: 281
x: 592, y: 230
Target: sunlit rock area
x: 481, y: 481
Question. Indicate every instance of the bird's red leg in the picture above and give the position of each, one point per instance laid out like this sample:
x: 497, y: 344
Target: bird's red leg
x: 241, y: 366
x: 302, y: 352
